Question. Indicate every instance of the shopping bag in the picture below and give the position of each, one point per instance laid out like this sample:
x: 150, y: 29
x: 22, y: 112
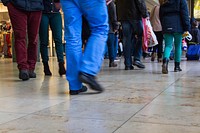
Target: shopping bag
x: 150, y: 39
x: 144, y: 39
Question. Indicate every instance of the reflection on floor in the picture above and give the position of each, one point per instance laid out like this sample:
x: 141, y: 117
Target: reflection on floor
x: 135, y: 101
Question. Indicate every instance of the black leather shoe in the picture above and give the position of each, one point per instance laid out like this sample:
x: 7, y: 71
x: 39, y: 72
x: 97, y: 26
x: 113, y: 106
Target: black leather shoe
x: 90, y: 80
x: 24, y: 75
x: 139, y: 64
x: 76, y: 92
x: 32, y: 74
x: 129, y: 67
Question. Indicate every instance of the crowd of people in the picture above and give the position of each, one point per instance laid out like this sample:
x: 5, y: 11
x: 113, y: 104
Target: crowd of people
x: 97, y: 24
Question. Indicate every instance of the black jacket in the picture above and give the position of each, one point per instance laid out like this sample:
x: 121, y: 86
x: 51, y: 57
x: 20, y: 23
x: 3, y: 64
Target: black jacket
x: 113, y: 23
x: 49, y: 6
x: 174, y: 16
x: 27, y: 5
x: 195, y: 32
x: 131, y: 10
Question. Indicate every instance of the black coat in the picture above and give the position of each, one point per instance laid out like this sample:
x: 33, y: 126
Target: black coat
x: 131, y: 10
x: 49, y: 6
x: 195, y: 32
x: 174, y: 16
x: 113, y: 23
x: 27, y: 5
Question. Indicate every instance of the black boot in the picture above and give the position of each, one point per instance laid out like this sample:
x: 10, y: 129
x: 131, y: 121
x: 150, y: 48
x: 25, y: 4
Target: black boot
x: 62, y: 70
x: 47, y: 71
x: 177, y: 67
x: 165, y: 66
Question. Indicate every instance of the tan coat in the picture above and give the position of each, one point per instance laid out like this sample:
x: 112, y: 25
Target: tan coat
x: 155, y: 19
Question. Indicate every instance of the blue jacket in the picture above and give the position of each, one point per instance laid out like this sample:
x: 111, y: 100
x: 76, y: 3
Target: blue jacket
x: 49, y: 6
x: 27, y: 5
x: 174, y: 16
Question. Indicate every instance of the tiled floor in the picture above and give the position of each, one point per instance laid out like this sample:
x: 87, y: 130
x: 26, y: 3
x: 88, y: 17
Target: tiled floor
x: 135, y: 101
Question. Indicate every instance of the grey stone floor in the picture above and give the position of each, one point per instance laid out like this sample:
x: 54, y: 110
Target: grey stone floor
x: 135, y: 101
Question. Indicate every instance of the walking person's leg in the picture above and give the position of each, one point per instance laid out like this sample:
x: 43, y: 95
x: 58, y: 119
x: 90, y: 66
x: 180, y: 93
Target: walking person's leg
x: 138, y: 29
x: 33, y: 24
x: 168, y: 47
x: 127, y: 44
x: 44, y: 42
x: 56, y: 27
x: 111, y: 49
x: 159, y: 36
x: 19, y: 23
x: 178, y: 51
x: 73, y: 48
x: 95, y: 12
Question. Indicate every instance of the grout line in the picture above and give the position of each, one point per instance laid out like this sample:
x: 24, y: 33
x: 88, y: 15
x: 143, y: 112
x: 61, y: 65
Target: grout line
x: 149, y: 102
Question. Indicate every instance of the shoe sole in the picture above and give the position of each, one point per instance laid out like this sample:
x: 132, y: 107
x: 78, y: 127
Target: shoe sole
x: 138, y: 66
x: 76, y: 92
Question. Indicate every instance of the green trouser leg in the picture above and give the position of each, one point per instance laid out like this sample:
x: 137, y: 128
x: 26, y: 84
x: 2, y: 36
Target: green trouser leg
x: 170, y: 39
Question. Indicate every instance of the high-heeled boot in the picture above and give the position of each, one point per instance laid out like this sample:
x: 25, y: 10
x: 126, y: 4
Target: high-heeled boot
x: 165, y: 66
x: 47, y: 71
x: 177, y: 67
x: 62, y: 70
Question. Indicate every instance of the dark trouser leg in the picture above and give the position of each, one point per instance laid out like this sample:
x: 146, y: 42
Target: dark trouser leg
x: 19, y: 22
x: 33, y: 22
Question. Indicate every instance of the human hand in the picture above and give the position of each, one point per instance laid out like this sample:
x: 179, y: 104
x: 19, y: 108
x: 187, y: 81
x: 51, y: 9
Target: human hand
x: 147, y: 18
x: 57, y: 5
x: 108, y: 2
x: 187, y: 35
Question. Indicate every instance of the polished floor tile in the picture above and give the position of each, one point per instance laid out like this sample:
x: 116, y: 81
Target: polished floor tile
x: 135, y: 127
x: 135, y: 101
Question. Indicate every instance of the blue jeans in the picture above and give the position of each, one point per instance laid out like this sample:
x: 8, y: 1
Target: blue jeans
x: 116, y: 45
x: 132, y: 40
x: 89, y: 61
x: 53, y: 20
x: 111, y: 46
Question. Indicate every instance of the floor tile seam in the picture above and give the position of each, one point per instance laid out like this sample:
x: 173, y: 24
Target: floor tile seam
x: 41, y: 100
x: 33, y: 113
x: 15, y: 113
x: 149, y: 102
x: 169, y: 124
x: 74, y: 117
x: 106, y: 102
x: 5, y: 96
x: 14, y: 119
